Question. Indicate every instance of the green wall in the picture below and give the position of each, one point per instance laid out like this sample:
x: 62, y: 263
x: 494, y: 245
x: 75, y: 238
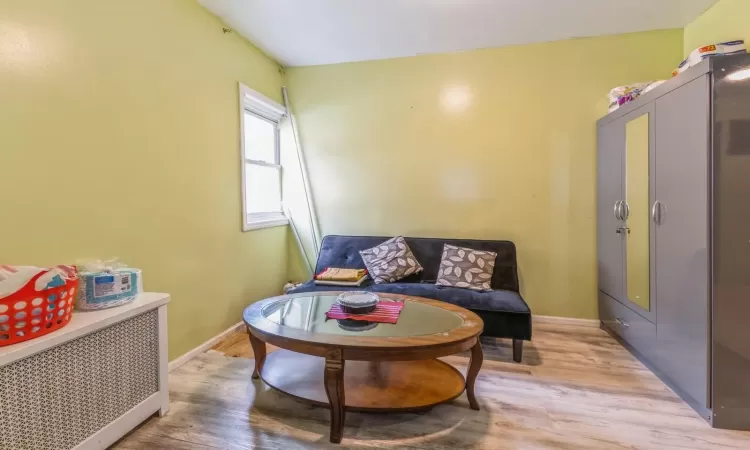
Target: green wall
x: 497, y: 144
x: 119, y: 132
x: 727, y: 20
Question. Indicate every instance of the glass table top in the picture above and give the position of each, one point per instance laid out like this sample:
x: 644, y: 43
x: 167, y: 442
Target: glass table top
x: 308, y: 313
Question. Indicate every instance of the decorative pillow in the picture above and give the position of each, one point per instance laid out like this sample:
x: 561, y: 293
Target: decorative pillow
x: 390, y: 261
x: 466, y: 268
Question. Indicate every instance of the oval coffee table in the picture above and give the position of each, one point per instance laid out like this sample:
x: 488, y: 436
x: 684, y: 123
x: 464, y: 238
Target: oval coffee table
x: 389, y: 367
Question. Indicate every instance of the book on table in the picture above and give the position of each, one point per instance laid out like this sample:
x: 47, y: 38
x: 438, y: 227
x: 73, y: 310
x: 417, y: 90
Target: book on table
x: 333, y: 276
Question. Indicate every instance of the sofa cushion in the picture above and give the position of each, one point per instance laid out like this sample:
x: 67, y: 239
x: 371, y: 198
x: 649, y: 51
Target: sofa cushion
x: 466, y: 268
x: 501, y: 300
x: 390, y: 261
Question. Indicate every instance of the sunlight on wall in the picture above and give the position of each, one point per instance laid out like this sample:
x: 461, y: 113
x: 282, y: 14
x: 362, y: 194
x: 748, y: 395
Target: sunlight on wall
x: 455, y: 98
x: 24, y: 48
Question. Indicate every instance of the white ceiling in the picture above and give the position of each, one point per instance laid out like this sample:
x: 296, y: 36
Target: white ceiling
x: 310, y: 32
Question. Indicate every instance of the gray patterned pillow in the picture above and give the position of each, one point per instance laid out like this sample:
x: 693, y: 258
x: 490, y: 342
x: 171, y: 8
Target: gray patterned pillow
x: 466, y: 268
x: 390, y: 261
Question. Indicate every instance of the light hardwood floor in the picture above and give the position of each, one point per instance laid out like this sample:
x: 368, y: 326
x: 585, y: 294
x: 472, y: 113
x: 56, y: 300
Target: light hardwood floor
x: 577, y: 388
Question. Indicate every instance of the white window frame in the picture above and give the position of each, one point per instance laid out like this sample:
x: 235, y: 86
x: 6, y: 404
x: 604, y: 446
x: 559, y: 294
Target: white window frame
x: 264, y: 108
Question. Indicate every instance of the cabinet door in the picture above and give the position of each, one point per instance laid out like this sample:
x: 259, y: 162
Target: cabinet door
x: 682, y: 233
x: 611, y: 151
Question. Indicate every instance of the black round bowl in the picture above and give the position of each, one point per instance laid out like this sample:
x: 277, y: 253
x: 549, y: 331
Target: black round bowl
x: 358, y: 309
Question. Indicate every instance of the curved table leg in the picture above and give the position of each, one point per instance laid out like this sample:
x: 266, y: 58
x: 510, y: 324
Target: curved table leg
x: 333, y: 378
x: 474, y: 365
x: 259, y: 351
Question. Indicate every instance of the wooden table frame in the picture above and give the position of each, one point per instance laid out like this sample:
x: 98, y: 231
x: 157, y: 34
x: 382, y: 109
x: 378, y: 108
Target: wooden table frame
x: 337, y: 349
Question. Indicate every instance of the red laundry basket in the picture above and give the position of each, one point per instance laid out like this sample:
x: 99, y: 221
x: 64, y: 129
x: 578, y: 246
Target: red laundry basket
x: 28, y: 313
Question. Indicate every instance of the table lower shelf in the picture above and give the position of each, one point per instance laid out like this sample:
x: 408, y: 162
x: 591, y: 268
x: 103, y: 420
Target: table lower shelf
x: 368, y: 385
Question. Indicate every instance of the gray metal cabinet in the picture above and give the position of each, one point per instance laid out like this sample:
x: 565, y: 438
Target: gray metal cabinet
x: 687, y: 318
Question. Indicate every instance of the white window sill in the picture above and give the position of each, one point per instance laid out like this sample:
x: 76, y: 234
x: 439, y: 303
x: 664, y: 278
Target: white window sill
x: 268, y: 223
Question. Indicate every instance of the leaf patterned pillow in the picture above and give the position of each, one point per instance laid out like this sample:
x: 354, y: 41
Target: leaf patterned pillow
x: 390, y: 261
x: 466, y: 268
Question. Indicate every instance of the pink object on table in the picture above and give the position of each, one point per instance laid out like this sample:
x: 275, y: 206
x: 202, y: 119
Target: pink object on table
x: 385, y: 312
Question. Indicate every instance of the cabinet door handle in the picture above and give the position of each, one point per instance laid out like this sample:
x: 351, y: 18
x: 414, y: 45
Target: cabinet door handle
x: 657, y: 212
x: 622, y: 322
x: 617, y: 210
x: 626, y: 211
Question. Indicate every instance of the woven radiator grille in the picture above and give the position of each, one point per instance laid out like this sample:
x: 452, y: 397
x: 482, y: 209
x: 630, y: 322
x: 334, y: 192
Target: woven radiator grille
x: 57, y: 398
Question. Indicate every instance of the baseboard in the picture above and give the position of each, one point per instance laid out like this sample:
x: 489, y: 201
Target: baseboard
x: 177, y: 362
x: 566, y: 321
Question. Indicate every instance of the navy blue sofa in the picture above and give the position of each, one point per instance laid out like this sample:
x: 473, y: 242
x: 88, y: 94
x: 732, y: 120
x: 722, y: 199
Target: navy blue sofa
x: 503, y: 310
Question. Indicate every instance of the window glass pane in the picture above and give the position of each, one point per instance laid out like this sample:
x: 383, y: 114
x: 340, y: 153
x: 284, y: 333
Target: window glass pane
x: 262, y: 188
x: 260, y: 139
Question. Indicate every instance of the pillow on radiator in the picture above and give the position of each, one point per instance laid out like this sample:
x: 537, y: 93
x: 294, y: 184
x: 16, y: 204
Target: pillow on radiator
x: 466, y: 268
x: 390, y: 261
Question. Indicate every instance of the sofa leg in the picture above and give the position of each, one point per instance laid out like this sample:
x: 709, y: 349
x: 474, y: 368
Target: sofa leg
x: 517, y: 350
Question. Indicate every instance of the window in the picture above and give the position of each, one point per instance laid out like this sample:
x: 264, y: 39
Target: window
x: 261, y: 167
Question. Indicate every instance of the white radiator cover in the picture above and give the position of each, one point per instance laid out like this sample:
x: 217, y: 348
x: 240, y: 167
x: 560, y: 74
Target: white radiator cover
x: 71, y: 394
